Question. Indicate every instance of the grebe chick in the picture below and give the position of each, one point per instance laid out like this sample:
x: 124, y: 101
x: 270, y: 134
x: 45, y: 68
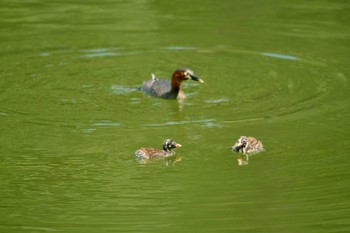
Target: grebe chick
x: 149, y: 153
x: 247, y: 145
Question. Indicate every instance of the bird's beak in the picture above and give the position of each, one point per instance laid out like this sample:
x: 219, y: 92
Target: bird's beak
x: 178, y: 145
x: 195, y: 78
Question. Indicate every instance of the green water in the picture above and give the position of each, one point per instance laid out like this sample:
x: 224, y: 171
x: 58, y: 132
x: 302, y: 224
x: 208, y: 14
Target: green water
x: 71, y: 117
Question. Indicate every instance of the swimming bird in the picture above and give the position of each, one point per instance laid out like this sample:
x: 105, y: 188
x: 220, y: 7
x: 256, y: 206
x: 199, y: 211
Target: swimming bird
x: 149, y: 153
x: 169, y: 89
x: 247, y: 145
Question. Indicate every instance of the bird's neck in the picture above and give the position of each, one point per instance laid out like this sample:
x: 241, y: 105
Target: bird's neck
x: 175, y: 84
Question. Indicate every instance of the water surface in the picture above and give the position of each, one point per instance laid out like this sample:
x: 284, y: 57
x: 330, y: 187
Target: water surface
x: 72, y: 116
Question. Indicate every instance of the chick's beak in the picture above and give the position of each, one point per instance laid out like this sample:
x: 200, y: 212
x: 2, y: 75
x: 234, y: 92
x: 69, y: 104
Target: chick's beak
x: 178, y: 145
x: 236, y: 149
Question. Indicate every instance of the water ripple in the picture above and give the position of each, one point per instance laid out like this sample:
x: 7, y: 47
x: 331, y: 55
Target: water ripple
x: 217, y: 101
x: 109, y: 54
x: 178, y: 48
x: 281, y: 56
x: 107, y: 124
x: 206, y: 123
x: 91, y: 53
x: 120, y: 90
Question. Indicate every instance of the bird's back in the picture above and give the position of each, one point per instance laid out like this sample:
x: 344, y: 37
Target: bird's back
x: 149, y: 153
x: 157, y: 87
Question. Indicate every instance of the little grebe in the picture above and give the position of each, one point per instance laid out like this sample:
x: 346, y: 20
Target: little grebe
x: 247, y: 145
x: 165, y: 88
x: 149, y: 153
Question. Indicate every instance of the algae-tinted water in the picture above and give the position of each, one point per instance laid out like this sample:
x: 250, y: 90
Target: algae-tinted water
x: 72, y: 117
